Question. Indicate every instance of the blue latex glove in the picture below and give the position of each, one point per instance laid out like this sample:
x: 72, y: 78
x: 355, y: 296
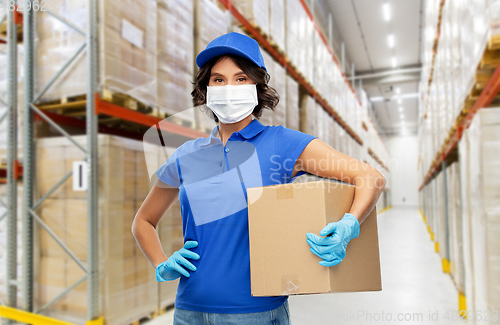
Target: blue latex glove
x: 331, y: 249
x: 172, y: 268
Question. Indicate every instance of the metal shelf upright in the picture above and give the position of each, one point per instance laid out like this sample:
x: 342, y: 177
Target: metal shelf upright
x: 91, y: 270
x: 12, y: 174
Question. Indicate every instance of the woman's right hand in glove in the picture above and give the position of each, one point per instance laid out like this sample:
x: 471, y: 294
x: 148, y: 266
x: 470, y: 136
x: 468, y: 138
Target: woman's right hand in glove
x: 172, y: 268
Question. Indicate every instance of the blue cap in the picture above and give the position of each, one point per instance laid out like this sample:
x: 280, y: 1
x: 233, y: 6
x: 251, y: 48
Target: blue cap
x: 232, y: 43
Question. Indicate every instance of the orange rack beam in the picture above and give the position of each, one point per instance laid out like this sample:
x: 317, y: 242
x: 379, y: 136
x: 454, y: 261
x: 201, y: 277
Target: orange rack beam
x: 282, y: 60
x: 81, y: 124
x: 487, y: 95
x: 103, y: 107
x: 18, y: 171
x: 374, y: 156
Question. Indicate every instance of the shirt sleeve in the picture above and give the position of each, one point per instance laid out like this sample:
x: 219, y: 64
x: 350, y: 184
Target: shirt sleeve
x: 168, y: 173
x: 289, y: 145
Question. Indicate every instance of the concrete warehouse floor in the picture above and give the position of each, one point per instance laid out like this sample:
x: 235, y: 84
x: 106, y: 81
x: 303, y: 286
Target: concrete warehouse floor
x: 415, y: 289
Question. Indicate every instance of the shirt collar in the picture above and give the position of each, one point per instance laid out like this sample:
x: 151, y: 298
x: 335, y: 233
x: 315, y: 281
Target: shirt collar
x: 252, y: 129
x: 248, y: 132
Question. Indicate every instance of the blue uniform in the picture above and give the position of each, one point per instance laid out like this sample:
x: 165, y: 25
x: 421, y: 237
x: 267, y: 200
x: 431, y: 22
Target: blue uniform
x: 212, y: 181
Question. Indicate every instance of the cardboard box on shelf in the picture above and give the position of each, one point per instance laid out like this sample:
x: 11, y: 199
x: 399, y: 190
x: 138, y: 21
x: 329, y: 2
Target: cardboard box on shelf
x: 128, y: 289
x: 281, y: 263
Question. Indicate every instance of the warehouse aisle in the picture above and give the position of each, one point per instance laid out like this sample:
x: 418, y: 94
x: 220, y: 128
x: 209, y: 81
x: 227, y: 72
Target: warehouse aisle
x: 414, y: 287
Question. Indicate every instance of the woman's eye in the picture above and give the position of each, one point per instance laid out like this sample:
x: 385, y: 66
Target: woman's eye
x: 217, y: 80
x: 242, y: 79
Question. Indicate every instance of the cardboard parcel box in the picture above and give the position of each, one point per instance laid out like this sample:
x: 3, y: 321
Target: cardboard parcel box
x: 281, y: 263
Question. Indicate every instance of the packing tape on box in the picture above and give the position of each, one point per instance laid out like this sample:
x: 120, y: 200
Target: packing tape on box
x: 289, y: 284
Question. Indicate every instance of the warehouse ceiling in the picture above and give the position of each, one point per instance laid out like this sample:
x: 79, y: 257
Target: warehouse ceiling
x: 385, y: 69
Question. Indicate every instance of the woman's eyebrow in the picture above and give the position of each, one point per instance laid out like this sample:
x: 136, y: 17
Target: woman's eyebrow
x: 216, y: 74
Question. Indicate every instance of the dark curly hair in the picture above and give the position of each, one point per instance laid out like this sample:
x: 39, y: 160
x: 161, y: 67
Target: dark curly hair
x: 268, y: 97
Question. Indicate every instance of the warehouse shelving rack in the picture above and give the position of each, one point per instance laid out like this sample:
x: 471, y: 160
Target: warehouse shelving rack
x: 448, y: 153
x: 488, y: 94
x: 8, y: 310
x: 32, y: 112
x: 264, y: 42
x: 29, y: 315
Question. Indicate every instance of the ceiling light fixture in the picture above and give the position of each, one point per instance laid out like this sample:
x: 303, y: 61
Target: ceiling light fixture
x: 402, y: 96
x: 398, y: 90
x: 390, y: 40
x: 387, y: 11
x: 394, y: 62
x: 399, y: 101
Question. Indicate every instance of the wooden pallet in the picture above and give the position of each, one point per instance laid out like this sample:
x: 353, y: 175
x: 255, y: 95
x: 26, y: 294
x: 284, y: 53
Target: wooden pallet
x: 490, y: 59
x: 180, y: 121
x: 275, y: 46
x: 494, y: 42
x: 257, y: 28
x: 124, y: 100
x: 65, y: 105
x: 145, y: 318
x: 165, y: 307
x: 3, y: 31
x: 75, y: 106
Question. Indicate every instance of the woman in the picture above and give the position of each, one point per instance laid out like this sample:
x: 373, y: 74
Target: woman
x: 210, y: 175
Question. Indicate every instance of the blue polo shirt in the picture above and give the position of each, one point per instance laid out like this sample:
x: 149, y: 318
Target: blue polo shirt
x: 212, y: 181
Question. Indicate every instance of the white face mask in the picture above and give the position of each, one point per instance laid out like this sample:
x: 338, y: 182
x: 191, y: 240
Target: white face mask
x: 230, y: 103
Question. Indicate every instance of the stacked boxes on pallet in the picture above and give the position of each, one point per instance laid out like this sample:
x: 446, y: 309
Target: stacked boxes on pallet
x: 128, y: 48
x: 3, y: 241
x: 461, y: 69
x: 455, y: 225
x: 464, y: 33
x: 331, y: 126
x: 57, y: 42
x: 322, y: 68
x: 175, y: 57
x: 442, y: 230
x: 292, y: 103
x: 128, y: 289
x: 146, y: 51
x: 210, y: 22
x: 294, y: 14
x: 307, y: 113
x: 277, y: 23
x: 278, y: 82
x: 320, y: 117
x: 299, y: 38
x: 469, y: 237
x: 479, y: 178
x: 267, y: 115
x: 256, y: 12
